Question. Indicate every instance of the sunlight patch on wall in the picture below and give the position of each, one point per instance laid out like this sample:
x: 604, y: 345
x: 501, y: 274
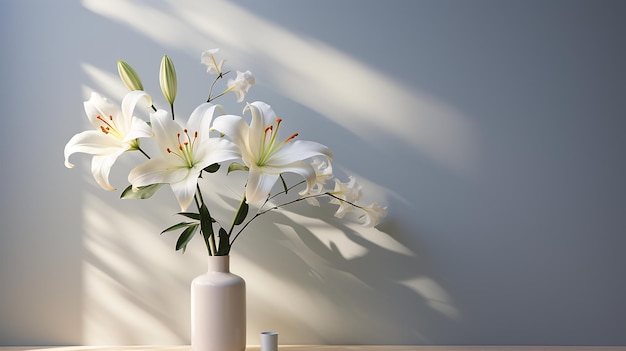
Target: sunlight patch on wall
x: 108, y: 84
x: 357, y: 97
x: 157, y: 24
x: 123, y: 258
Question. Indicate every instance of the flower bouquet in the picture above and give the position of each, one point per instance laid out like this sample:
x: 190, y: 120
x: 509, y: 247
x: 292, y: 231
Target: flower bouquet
x: 196, y: 148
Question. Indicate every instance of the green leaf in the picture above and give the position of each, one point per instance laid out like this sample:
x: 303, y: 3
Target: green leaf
x: 206, y: 224
x: 185, y: 237
x: 242, y: 212
x: 142, y: 193
x: 237, y: 167
x: 224, y: 247
x: 178, y: 226
x: 212, y: 168
x: 191, y: 215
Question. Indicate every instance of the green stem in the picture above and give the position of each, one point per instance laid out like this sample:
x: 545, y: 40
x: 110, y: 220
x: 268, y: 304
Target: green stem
x: 260, y: 213
x: 143, y: 152
x: 220, y: 76
x: 211, y: 88
x: 232, y: 242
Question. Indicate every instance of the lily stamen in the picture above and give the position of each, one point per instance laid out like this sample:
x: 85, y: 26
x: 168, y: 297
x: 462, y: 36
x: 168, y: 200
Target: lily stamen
x: 185, y: 146
x: 273, y: 139
x: 269, y: 146
x: 108, y: 128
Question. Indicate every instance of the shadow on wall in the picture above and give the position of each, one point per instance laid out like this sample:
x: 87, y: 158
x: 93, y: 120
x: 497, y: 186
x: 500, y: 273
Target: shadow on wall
x: 312, y: 277
x: 324, y: 282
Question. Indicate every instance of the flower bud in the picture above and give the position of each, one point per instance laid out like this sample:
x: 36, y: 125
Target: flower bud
x: 129, y: 76
x: 167, y: 79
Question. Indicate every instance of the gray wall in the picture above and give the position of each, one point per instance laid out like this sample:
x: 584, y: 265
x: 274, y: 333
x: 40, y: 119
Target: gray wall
x: 493, y: 131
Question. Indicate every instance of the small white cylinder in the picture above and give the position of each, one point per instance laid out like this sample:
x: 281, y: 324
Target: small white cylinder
x: 269, y: 341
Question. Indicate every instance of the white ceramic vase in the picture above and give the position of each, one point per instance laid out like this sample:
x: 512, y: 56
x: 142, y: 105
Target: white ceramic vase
x: 218, y: 308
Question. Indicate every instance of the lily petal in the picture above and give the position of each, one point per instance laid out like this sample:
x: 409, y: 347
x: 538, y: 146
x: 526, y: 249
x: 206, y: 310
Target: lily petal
x: 138, y: 129
x: 234, y: 127
x: 134, y: 127
x: 101, y: 166
x: 99, y: 106
x: 156, y: 170
x: 297, y: 150
x: 259, y: 185
x: 218, y: 150
x: 262, y: 116
x: 302, y: 168
x: 185, y: 190
x: 201, y: 118
x: 90, y: 142
x: 165, y: 129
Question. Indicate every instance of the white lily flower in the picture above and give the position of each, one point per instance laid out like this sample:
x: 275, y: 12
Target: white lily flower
x: 241, y: 84
x: 372, y: 214
x: 209, y: 60
x: 186, y: 151
x: 116, y: 131
x: 323, y: 172
x: 264, y: 154
x: 350, y: 192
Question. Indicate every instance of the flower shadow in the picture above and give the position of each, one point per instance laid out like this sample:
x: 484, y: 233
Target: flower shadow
x: 331, y: 281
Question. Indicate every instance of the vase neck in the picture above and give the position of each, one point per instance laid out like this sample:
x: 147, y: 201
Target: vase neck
x: 219, y: 264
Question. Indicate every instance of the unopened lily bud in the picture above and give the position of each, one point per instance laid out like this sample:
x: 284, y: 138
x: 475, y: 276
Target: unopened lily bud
x: 129, y: 77
x: 167, y: 78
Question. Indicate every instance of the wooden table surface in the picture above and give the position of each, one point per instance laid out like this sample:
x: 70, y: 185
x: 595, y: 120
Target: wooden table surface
x: 325, y: 348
